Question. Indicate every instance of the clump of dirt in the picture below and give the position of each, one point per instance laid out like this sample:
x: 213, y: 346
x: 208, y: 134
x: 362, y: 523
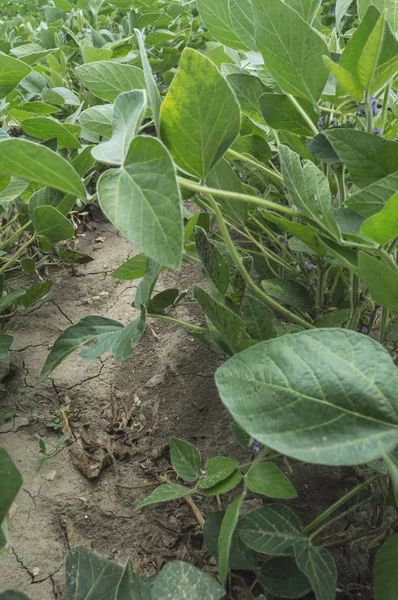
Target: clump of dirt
x: 121, y: 419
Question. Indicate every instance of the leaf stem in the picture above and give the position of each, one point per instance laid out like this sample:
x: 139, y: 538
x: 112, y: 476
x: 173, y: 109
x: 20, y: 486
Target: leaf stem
x: 255, y: 163
x: 337, y: 518
x: 341, y: 185
x: 178, y: 322
x: 17, y: 253
x: 385, y: 105
x: 303, y: 113
x: 383, y: 325
x: 341, y: 501
x: 354, y: 302
x: 15, y: 235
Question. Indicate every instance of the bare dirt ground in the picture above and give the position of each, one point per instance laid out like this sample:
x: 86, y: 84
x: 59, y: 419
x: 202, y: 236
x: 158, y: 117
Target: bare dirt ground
x: 125, y: 416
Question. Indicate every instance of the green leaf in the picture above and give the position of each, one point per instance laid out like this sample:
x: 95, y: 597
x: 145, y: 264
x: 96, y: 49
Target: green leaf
x: 307, y: 9
x: 7, y: 299
x: 392, y: 12
x: 15, y: 188
x: 370, y: 54
x: 254, y: 145
x: 45, y: 128
x: 371, y: 199
x: 133, y: 268
x: 279, y: 29
x: 5, y: 344
x: 11, y: 595
x: 308, y: 188
x: 165, y: 493
x: 107, y: 79
x: 147, y: 284
x: 279, y: 113
x: 267, y: 479
x: 163, y: 300
x: 321, y: 148
x: 213, y: 262
x: 242, y: 19
x: 178, y: 579
x: 98, y: 119
x: 381, y: 279
x: 259, y: 318
x: 223, y: 177
x: 73, y: 257
x: 129, y: 110
x: 240, y: 556
x: 217, y: 469
x: 51, y: 227
x: 37, y: 163
x: 288, y: 292
x: 303, y: 232
x: 271, y: 529
x: 89, y: 577
x: 91, y: 54
x: 145, y: 209
x: 196, y: 131
x: 224, y: 486
x: 241, y: 437
x: 132, y: 586
x: 391, y: 461
x: 35, y: 293
x: 346, y: 79
x: 385, y: 575
x: 11, y: 73
x: 339, y: 384
x: 319, y: 566
x: 125, y: 340
x: 185, y: 458
x: 85, y: 331
x: 281, y: 577
x: 154, y: 97
x: 216, y: 17
x: 227, y: 530
x: 336, y: 318
x: 383, y: 226
x: 341, y: 9
x: 10, y: 483
x: 249, y: 90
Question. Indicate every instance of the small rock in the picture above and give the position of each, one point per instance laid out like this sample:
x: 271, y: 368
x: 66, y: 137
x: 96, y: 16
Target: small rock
x: 96, y: 298
x: 35, y: 571
x: 104, y: 294
x: 51, y: 475
x: 156, y: 380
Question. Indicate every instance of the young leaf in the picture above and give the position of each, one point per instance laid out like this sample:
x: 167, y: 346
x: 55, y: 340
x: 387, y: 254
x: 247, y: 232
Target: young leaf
x: 178, y: 579
x: 281, y: 577
x: 371, y: 199
x: 227, y: 530
x: 288, y: 292
x: 216, y: 17
x: 107, y: 79
x: 165, y: 493
x: 35, y: 293
x: 146, y: 210
x: 383, y: 226
x: 224, y: 486
x: 153, y: 92
x: 386, y: 570
x: 370, y: 54
x: 98, y: 119
x: 198, y: 132
x: 258, y: 317
x: 10, y: 482
x: 133, y: 268
x: 267, y: 479
x: 341, y: 9
x: 129, y: 110
x: 240, y: 556
x: 213, y: 262
x: 217, y: 469
x: 271, y: 529
x: 319, y: 566
x: 85, y: 331
x: 390, y: 5
x: 37, y: 163
x: 381, y: 279
x: 11, y: 73
x: 51, y: 227
x: 274, y: 387
x: 279, y: 28
x: 185, y: 458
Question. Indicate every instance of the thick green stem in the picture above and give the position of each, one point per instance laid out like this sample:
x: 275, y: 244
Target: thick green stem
x: 303, y: 113
x: 238, y: 261
x: 17, y: 254
x: 178, y: 322
x: 341, y: 501
x: 341, y: 185
x: 383, y: 325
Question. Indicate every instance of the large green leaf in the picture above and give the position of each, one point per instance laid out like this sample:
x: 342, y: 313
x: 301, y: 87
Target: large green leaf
x: 383, y: 226
x: 129, y: 110
x: 154, y: 97
x: 36, y: 163
x: 185, y: 458
x: 248, y: 91
x: 196, y: 131
x: 319, y: 566
x: 107, y: 79
x: 386, y: 570
x: 271, y: 529
x: 85, y: 331
x: 281, y: 577
x: 371, y: 199
x: 291, y: 49
x: 368, y: 157
x: 242, y: 19
x: 132, y: 586
x: 146, y: 209
x: 98, y: 119
x: 89, y: 577
x: 267, y: 479
x: 325, y: 396
x: 307, y: 9
x: 45, y: 128
x: 10, y: 482
x: 381, y: 279
x: 165, y: 493
x: 133, y: 268
x: 12, y: 71
x: 178, y: 580
x: 227, y: 531
x: 51, y: 227
x: 279, y: 113
x: 216, y: 17
x: 390, y: 5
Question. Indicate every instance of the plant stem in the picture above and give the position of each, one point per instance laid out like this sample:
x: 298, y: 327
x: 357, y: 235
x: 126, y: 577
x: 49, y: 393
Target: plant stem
x: 385, y: 105
x: 368, y: 113
x: 255, y: 163
x: 341, y: 185
x: 337, y: 518
x: 17, y: 253
x: 319, y: 290
x: 303, y: 113
x: 178, y: 322
x: 15, y: 235
x: 196, y: 187
x: 341, y: 501
x: 354, y: 301
x: 238, y: 261
x: 383, y: 325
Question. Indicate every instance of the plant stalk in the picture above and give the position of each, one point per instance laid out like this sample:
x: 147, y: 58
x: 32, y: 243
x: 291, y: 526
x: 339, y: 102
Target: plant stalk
x: 178, y: 322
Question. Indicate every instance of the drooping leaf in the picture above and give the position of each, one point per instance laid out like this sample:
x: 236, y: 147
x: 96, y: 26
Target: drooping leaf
x: 185, y: 458
x: 85, y: 331
x: 12, y: 71
x: 217, y: 469
x: 177, y: 579
x: 165, y: 493
x: 152, y: 89
x: 36, y: 163
x: 279, y: 30
x: 198, y: 132
x: 212, y: 260
x: 381, y: 279
x: 216, y: 17
x: 15, y: 187
x: 319, y: 566
x: 73, y: 257
x: 386, y: 570
x: 147, y: 284
x: 240, y: 556
x: 125, y: 340
x: 227, y: 530
x: 128, y: 112
x: 371, y: 199
x: 107, y: 79
x: 391, y: 461
x: 258, y: 317
x: 281, y: 577
x: 51, y: 227
x: 383, y: 226
x: 271, y: 529
x: 10, y: 483
x: 289, y: 293
x: 267, y: 479
x: 133, y: 268
x: 8, y: 299
x: 145, y: 209
x: 328, y: 379
x: 322, y: 149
